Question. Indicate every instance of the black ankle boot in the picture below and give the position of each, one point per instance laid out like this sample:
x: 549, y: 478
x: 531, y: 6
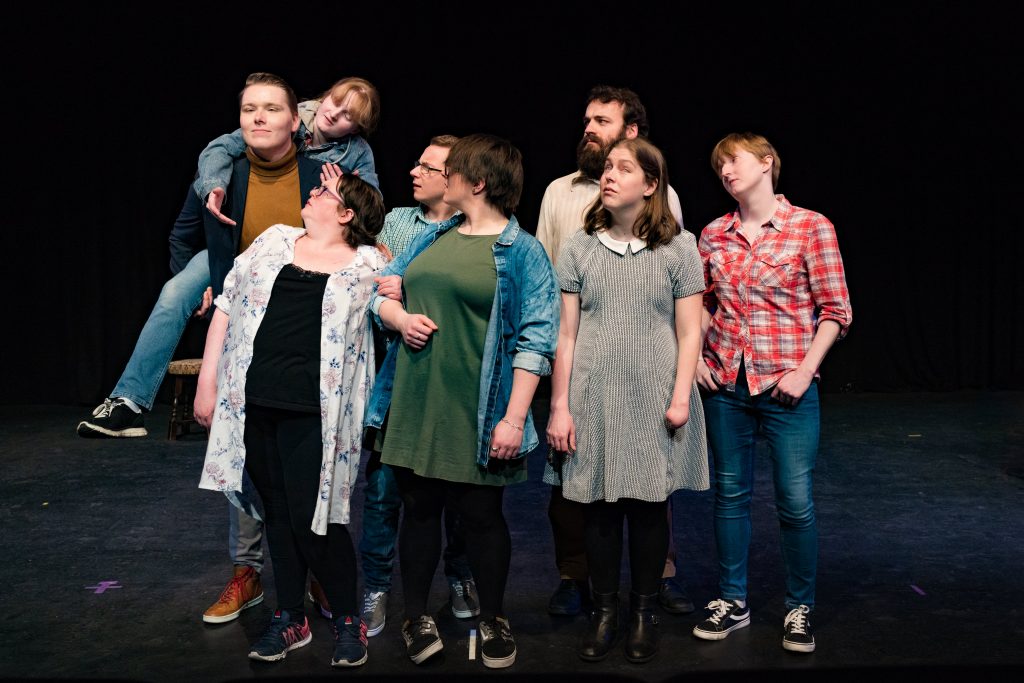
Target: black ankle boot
x: 642, y: 640
x: 603, y: 629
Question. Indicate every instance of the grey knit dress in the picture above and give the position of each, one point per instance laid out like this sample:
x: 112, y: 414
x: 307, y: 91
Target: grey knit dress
x: 624, y: 369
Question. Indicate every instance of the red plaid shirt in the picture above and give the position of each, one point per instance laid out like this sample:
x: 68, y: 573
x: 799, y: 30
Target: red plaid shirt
x: 768, y: 298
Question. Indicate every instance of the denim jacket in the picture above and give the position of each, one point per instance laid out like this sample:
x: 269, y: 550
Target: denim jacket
x: 351, y: 151
x: 521, y: 333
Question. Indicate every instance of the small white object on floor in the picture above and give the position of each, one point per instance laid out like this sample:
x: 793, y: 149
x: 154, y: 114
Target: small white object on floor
x: 472, y: 643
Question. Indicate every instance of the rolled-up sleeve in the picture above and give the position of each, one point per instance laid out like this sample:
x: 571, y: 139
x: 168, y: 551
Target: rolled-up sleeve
x: 539, y: 313
x: 827, y: 277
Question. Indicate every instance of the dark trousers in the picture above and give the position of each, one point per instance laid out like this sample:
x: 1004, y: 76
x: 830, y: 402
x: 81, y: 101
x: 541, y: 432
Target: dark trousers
x: 481, y: 523
x: 382, y: 507
x: 566, y: 518
x: 648, y: 543
x: 283, y: 456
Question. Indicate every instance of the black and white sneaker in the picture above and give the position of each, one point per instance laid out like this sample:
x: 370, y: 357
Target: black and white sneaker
x: 113, y: 418
x: 726, y: 617
x: 497, y: 648
x: 798, y: 636
x: 422, y: 641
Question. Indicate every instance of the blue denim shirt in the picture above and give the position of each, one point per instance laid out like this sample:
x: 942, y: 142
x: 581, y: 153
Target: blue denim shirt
x: 351, y: 151
x: 521, y: 333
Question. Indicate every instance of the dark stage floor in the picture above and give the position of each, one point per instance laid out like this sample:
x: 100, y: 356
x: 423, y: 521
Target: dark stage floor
x: 920, y: 503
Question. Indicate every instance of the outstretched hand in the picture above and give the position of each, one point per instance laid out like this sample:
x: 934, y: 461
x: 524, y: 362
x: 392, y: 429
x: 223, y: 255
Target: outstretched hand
x: 214, y: 202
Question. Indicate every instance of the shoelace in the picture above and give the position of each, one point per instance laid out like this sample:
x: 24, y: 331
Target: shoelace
x: 290, y: 631
x: 371, y: 601
x: 457, y: 588
x: 105, y: 409
x: 355, y: 630
x: 422, y: 627
x: 488, y: 631
x: 234, y: 586
x: 796, y: 620
x: 721, y: 608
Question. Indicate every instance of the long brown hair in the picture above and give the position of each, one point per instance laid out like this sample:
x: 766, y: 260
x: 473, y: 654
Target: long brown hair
x: 655, y: 224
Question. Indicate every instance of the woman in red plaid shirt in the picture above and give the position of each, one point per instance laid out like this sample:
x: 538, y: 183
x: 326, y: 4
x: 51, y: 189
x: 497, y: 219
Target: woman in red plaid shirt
x: 776, y: 301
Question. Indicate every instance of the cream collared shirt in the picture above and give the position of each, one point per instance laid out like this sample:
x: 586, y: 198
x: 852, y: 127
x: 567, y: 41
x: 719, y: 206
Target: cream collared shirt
x: 635, y: 245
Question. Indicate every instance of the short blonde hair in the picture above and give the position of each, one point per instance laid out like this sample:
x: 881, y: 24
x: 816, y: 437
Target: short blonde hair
x: 757, y: 145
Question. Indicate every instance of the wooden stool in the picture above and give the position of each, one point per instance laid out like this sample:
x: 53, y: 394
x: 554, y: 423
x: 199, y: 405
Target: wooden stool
x: 185, y: 373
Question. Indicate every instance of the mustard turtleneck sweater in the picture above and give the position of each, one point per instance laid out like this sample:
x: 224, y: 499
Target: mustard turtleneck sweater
x: 273, y: 196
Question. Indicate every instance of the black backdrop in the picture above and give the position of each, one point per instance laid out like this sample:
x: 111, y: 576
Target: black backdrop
x: 897, y: 122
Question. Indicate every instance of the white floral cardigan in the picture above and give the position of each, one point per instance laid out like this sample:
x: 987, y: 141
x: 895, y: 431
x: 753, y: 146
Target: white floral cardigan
x: 346, y: 371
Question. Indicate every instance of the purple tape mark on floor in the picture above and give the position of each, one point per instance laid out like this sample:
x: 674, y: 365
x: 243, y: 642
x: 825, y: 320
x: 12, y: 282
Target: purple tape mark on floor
x: 918, y: 590
x: 104, y: 586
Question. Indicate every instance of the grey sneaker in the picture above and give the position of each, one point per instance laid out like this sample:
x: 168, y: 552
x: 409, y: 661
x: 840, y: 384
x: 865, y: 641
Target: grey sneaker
x: 465, y: 603
x: 375, y: 609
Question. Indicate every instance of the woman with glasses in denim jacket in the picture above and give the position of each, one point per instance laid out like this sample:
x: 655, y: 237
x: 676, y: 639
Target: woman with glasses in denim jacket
x: 478, y: 320
x: 286, y: 374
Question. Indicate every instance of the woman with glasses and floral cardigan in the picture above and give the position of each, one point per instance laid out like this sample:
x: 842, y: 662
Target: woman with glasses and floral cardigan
x: 286, y: 374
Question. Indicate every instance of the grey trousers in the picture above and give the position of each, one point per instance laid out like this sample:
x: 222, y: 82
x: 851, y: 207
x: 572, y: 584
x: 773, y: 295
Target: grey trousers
x: 245, y: 538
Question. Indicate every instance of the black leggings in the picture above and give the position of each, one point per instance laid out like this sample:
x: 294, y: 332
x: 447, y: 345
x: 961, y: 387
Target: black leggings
x: 648, y: 543
x: 482, y: 523
x: 283, y: 456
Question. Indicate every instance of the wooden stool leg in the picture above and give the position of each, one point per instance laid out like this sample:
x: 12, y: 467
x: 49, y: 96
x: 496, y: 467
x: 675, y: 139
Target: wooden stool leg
x: 172, y: 427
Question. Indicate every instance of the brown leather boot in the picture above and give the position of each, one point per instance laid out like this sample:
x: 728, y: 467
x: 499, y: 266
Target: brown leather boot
x: 244, y: 590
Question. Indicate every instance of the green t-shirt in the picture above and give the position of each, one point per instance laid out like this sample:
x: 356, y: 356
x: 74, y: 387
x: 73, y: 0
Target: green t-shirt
x: 432, y: 426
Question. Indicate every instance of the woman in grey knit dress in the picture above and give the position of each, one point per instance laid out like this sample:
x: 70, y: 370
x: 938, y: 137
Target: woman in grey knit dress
x: 624, y: 404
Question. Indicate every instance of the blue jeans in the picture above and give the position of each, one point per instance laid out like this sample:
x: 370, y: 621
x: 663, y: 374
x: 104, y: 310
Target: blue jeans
x: 382, y: 506
x: 733, y: 419
x: 179, y: 298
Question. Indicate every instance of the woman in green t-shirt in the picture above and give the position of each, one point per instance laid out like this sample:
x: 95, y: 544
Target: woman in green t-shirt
x: 478, y: 327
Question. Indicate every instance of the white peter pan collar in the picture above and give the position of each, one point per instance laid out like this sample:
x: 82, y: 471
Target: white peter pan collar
x: 635, y: 245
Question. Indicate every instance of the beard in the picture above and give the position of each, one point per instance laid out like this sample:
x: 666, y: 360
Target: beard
x: 590, y: 159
